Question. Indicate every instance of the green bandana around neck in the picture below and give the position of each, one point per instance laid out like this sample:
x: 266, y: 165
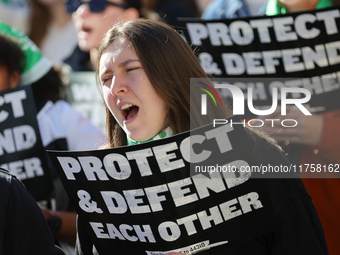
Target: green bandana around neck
x: 274, y: 8
x: 168, y: 132
x: 35, y: 65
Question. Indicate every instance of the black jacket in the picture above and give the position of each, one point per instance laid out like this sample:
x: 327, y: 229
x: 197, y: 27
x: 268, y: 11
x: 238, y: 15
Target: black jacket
x: 300, y: 231
x: 23, y: 228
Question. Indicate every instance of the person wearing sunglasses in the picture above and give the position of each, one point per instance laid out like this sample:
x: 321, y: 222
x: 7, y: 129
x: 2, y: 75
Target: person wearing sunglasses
x: 92, y: 20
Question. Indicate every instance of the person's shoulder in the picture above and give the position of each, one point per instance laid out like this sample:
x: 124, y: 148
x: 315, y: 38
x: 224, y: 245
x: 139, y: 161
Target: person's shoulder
x: 59, y: 108
x: 8, y: 183
x: 264, y: 148
x: 280, y: 177
x: 9, y: 179
x: 5, y: 177
x: 62, y: 105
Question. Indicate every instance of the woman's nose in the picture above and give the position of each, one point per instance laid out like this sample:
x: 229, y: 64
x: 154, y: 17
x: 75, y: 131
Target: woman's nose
x: 83, y: 10
x: 118, y: 86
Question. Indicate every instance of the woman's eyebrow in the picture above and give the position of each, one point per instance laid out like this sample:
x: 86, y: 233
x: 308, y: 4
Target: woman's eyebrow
x: 122, y: 64
x: 128, y: 61
x: 104, y: 73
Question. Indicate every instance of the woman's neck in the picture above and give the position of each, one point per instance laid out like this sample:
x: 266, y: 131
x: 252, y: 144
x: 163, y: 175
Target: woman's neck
x: 93, y: 56
x: 167, y: 132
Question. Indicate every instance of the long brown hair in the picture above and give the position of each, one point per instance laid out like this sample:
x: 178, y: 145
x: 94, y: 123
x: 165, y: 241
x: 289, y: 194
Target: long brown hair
x: 39, y: 21
x: 169, y: 63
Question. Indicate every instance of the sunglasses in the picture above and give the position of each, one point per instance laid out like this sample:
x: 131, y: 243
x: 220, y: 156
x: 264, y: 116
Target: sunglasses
x: 94, y: 5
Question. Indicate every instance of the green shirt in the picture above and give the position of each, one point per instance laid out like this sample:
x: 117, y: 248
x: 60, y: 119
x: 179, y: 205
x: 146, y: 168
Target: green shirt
x: 275, y: 8
x: 168, y: 132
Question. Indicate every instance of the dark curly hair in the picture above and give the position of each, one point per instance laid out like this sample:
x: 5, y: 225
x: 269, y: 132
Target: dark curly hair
x: 11, y: 55
x: 50, y: 87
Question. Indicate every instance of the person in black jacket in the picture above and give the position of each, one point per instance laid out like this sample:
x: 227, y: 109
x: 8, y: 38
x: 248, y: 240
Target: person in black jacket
x: 23, y: 228
x: 144, y: 68
x: 61, y: 126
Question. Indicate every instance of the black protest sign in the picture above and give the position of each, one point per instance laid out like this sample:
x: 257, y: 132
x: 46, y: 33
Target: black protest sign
x: 143, y: 199
x: 83, y: 94
x: 299, y: 50
x: 21, y: 149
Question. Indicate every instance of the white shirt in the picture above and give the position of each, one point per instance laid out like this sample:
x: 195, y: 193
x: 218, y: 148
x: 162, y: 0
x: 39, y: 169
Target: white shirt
x: 255, y: 6
x: 61, y: 121
x: 59, y: 43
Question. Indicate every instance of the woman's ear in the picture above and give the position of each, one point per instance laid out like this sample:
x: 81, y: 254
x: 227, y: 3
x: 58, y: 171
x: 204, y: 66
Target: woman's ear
x: 131, y: 14
x: 13, y: 80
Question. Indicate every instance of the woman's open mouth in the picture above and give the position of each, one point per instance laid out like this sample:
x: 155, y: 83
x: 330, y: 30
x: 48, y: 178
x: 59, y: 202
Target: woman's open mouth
x: 129, y: 111
x: 84, y: 32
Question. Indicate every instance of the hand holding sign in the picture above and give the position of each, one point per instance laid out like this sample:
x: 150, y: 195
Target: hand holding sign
x: 173, y: 208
